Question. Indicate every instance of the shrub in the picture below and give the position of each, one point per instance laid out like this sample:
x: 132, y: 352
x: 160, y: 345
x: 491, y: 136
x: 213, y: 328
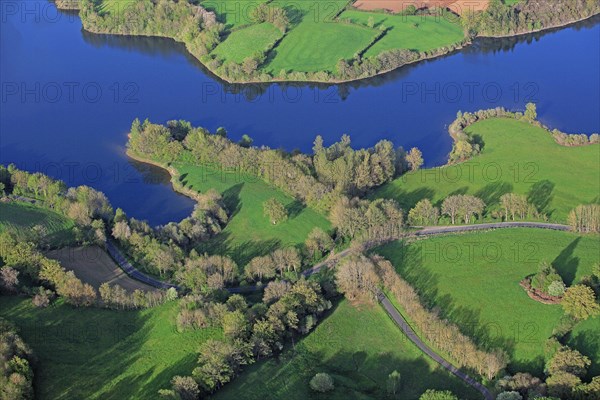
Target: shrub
x: 322, y: 383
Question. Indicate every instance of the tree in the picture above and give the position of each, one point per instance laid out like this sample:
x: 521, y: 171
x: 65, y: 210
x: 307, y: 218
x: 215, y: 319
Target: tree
x: 562, y: 384
x: 357, y: 278
x: 121, y: 230
x: 414, y: 159
x: 585, y: 218
x: 509, y: 396
x: 250, y: 65
x: 275, y: 211
x: 393, y: 382
x: 580, y: 302
x: 568, y: 360
x: 318, y: 243
x: 246, y: 141
x: 235, y: 325
x: 451, y: 207
x: 524, y: 383
x: 275, y: 290
x: 371, y: 22
x: 9, y: 278
x: 557, y: 288
x: 531, y: 111
x: 424, y: 213
x: 286, y: 259
x: 431, y: 394
x: 186, y: 387
x: 321, y: 383
x: 260, y: 268
x: 220, y: 361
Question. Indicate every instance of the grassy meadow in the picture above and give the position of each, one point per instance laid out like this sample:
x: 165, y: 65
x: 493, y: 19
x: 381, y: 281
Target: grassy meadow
x: 90, y: 353
x: 321, y: 33
x: 245, y: 42
x: 407, y: 32
x: 516, y: 157
x: 22, y: 217
x: 474, y: 280
x: 249, y: 232
x: 359, y: 348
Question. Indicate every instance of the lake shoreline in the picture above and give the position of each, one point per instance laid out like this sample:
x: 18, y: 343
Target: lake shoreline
x: 438, y: 53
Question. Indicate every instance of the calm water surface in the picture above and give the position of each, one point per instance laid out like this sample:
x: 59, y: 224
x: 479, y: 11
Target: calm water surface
x: 68, y: 99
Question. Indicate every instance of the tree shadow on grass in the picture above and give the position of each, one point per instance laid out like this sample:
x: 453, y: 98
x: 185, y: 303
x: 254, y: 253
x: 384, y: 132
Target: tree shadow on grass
x: 231, y: 199
x: 406, y: 199
x: 241, y: 252
x: 540, y: 195
x: 588, y: 343
x: 566, y: 264
x: 294, y: 209
x: 491, y: 193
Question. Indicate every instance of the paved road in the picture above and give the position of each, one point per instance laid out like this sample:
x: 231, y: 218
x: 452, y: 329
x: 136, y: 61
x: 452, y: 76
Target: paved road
x: 437, y: 230
x: 408, y: 331
x: 389, y: 308
x: 333, y: 259
x: 133, y: 272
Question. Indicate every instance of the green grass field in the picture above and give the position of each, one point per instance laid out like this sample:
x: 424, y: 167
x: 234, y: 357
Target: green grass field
x: 586, y: 338
x: 249, y: 233
x: 89, y: 353
x: 474, y: 280
x: 359, y: 348
x: 245, y: 42
x: 311, y: 47
x: 22, y: 217
x: 517, y: 157
x: 407, y: 32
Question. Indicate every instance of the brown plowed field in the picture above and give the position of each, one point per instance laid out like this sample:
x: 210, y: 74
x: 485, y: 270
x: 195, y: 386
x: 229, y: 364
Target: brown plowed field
x: 93, y: 265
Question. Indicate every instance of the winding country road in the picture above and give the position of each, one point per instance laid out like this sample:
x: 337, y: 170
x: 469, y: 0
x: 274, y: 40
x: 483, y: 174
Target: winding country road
x: 389, y: 308
x: 410, y: 333
x: 333, y: 259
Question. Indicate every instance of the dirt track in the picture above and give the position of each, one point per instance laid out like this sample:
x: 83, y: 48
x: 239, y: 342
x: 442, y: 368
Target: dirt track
x: 94, y: 266
x: 457, y: 6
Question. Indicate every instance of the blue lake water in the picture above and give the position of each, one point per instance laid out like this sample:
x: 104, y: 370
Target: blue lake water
x: 68, y: 99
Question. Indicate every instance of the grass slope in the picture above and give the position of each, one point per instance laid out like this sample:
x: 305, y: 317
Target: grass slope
x: 249, y: 233
x: 517, y: 157
x: 474, y: 280
x: 245, y: 42
x: 90, y: 353
x: 22, y: 217
x: 359, y: 348
x: 408, y: 32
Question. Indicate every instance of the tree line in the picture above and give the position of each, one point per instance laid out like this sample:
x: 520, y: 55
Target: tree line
x: 442, y: 334
x: 500, y: 19
x: 87, y: 207
x: 182, y: 21
x: 16, y: 374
